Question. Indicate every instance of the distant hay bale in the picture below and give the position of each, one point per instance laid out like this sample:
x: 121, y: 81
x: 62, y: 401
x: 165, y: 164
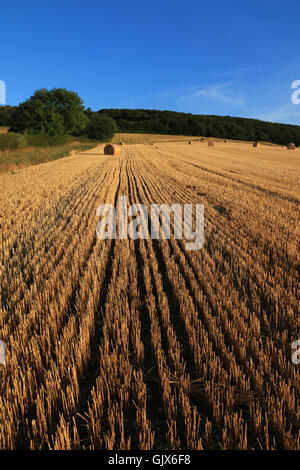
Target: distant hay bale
x: 210, y: 144
x: 121, y: 143
x: 226, y: 141
x: 256, y: 144
x: 190, y: 142
x: 202, y: 140
x: 110, y: 149
x: 291, y: 146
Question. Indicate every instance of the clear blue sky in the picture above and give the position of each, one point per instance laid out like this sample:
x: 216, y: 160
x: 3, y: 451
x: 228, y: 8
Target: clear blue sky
x: 229, y: 57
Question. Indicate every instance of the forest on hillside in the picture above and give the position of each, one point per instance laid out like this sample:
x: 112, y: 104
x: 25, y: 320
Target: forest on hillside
x: 174, y: 123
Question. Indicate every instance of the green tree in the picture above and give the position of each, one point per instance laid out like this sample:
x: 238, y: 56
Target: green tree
x: 5, y: 115
x: 101, y: 128
x: 50, y: 112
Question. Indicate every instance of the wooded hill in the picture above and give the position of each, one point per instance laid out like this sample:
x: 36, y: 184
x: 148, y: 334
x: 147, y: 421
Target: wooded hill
x: 174, y: 123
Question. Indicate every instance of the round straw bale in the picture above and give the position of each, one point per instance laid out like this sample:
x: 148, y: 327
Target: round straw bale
x: 190, y: 142
x: 291, y: 146
x: 256, y: 144
x: 210, y: 144
x: 110, y: 149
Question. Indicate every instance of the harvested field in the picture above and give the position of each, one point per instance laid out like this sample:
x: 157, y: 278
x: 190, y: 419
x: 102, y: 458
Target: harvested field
x: 123, y: 344
x: 149, y: 138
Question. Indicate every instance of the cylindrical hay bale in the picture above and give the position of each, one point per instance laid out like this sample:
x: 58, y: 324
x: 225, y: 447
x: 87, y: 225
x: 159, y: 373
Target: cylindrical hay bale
x: 190, y: 142
x: 110, y: 149
x: 291, y: 146
x: 202, y: 140
x: 210, y: 144
x: 256, y: 144
x: 121, y: 143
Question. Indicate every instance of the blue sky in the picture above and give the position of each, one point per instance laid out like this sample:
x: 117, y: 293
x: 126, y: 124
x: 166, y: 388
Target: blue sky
x: 228, y: 57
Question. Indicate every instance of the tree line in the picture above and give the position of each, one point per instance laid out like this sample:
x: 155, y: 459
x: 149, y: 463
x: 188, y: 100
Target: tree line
x: 61, y: 112
x: 54, y: 113
x: 227, y: 127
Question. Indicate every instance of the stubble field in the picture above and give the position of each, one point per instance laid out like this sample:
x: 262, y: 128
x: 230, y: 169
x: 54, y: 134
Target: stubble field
x: 123, y: 344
